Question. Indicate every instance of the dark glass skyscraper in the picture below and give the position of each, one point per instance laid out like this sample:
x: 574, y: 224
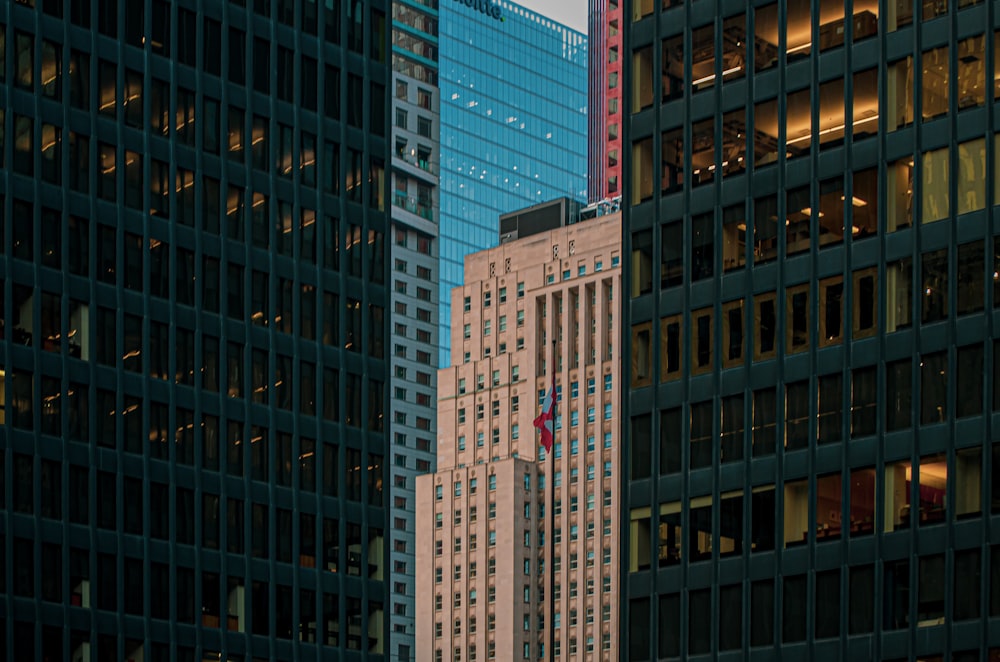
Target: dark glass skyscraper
x: 193, y: 294
x: 810, y: 466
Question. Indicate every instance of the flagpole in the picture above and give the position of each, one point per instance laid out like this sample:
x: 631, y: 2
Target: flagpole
x: 551, y: 509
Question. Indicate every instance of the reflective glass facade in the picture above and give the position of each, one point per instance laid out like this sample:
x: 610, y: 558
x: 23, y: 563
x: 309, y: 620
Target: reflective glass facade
x: 814, y: 378
x: 193, y: 298
x: 513, y: 127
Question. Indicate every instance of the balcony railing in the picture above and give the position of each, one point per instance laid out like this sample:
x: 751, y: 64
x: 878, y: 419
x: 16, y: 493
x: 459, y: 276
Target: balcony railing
x: 424, y: 164
x: 412, y: 205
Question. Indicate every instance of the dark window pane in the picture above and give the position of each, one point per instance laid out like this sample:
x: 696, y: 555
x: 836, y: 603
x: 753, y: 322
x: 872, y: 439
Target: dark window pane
x: 762, y: 519
x: 670, y: 441
x: 762, y: 613
x: 827, y: 604
x: 934, y: 293
x: 699, y: 621
x: 899, y: 394
x: 793, y: 621
x: 933, y: 387
x: 831, y: 408
x: 861, y: 615
x: 640, y: 447
x: 930, y: 590
x: 967, y: 584
x: 669, y: 627
x: 896, y: 595
x: 730, y: 616
x: 864, y: 402
x: 969, y: 382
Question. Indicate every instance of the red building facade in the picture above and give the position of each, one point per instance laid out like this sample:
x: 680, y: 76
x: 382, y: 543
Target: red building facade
x: 604, y: 119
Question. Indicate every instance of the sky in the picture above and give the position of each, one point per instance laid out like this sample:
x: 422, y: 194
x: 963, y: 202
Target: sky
x: 572, y: 13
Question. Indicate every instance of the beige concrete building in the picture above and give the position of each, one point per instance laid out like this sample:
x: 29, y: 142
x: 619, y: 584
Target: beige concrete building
x: 517, y: 548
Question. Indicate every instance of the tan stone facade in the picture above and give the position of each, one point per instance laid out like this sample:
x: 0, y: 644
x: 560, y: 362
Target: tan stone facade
x: 517, y: 548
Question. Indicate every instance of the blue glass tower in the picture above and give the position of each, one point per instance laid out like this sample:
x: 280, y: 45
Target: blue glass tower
x: 513, y: 126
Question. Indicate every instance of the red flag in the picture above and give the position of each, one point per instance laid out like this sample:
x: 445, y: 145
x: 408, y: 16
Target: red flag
x: 546, y: 420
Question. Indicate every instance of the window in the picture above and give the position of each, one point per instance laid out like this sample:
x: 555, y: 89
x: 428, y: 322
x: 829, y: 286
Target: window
x: 934, y: 181
x: 899, y: 194
x: 934, y: 267
x: 642, y: 168
x: 831, y: 211
x: 764, y: 422
x: 827, y: 600
x: 701, y: 434
x: 731, y: 437
x: 896, y: 594
x: 670, y: 350
x: 967, y: 584
x: 797, y: 224
x: 765, y: 327
x: 831, y: 309
x: 639, y: 539
x: 831, y: 407
x: 797, y: 415
x: 641, y: 445
x: 970, y: 287
x: 898, y: 294
x: 865, y: 302
x: 642, y: 259
x: 862, y: 502
x: 827, y: 502
x: 933, y: 388
x: 702, y: 339
x: 930, y: 591
x: 794, y: 614
x: 734, y: 236
x: 642, y: 90
x: 702, y: 246
x: 864, y: 387
x: 969, y: 382
x: 899, y: 395
x: 897, y: 495
x: 968, y: 482
x: 934, y: 82
x: 762, y: 612
x: 864, y: 202
x: 797, y: 320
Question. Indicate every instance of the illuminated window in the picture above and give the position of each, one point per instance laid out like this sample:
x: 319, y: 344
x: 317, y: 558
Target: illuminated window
x: 642, y: 73
x: 796, y: 512
x: 971, y: 75
x: 934, y: 82
x: 971, y: 193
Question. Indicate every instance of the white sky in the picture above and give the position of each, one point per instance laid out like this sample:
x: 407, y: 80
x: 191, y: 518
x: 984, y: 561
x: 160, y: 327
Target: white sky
x: 572, y: 13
